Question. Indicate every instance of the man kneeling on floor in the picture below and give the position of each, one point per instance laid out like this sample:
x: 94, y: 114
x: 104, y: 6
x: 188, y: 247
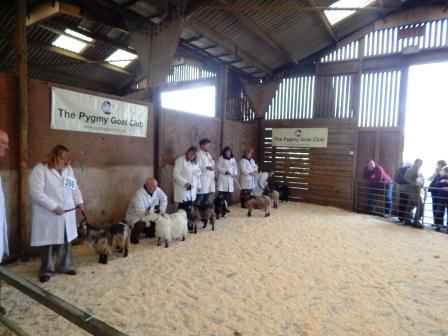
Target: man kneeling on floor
x: 148, y: 197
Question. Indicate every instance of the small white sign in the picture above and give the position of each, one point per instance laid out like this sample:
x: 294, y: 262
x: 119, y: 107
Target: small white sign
x: 76, y: 111
x: 300, y: 137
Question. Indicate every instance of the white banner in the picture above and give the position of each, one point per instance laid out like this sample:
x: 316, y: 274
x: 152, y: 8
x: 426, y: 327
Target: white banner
x: 76, y: 111
x: 300, y: 137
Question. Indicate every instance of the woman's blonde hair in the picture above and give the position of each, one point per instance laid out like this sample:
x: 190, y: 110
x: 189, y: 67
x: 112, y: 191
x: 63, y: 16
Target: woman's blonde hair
x: 54, y: 154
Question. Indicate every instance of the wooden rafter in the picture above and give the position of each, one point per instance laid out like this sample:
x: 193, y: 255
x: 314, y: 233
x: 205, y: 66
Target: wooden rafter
x: 246, y: 22
x: 49, y: 9
x: 228, y: 44
x: 78, y: 57
x: 324, y: 21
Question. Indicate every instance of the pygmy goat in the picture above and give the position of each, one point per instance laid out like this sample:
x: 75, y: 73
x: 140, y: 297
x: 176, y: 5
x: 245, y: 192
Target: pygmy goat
x: 221, y: 206
x: 104, y: 240
x: 274, y: 195
x: 260, y: 203
x: 205, y: 213
x: 169, y: 227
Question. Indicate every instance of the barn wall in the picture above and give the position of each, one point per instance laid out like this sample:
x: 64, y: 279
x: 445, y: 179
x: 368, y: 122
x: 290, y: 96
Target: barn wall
x: 181, y: 130
x: 109, y: 168
x: 316, y: 175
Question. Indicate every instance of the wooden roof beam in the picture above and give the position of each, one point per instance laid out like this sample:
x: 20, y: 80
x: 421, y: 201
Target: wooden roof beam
x: 324, y: 21
x: 251, y: 26
x: 49, y: 9
x: 228, y: 44
x: 80, y: 58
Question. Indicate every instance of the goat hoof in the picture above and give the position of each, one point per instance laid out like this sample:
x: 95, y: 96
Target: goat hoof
x: 183, y: 238
x: 125, y: 253
x: 166, y: 244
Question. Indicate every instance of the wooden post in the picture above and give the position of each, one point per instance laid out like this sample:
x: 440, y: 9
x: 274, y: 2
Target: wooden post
x: 22, y: 103
x: 222, y: 102
x: 402, y: 110
x: 157, y: 103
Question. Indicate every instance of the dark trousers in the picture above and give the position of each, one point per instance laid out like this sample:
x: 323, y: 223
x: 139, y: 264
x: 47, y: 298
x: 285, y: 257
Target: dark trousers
x: 201, y: 199
x: 385, y: 192
x: 64, y: 259
x: 244, y: 194
x: 439, y: 206
x: 402, y: 204
x: 414, y: 201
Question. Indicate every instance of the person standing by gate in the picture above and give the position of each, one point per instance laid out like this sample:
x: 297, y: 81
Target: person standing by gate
x: 415, y: 181
x: 379, y: 183
x: 403, y: 196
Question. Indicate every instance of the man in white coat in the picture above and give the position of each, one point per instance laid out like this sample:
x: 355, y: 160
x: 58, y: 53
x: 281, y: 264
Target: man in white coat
x: 55, y: 196
x: 148, y: 198
x: 207, y: 166
x: 4, y: 250
x: 248, y: 169
x: 186, y: 177
x: 261, y: 182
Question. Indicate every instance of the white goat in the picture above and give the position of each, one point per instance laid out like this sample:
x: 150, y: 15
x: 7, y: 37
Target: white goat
x: 169, y: 227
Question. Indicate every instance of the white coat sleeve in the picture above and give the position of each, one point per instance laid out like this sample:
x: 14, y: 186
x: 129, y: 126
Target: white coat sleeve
x: 202, y: 161
x: 139, y: 204
x: 220, y: 166
x: 77, y: 197
x: 198, y: 178
x: 178, y: 178
x: 235, y: 169
x: 245, y: 167
x: 37, y: 189
x: 163, y: 201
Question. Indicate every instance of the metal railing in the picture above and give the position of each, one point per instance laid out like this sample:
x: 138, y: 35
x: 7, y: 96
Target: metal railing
x: 421, y: 206
x: 75, y: 315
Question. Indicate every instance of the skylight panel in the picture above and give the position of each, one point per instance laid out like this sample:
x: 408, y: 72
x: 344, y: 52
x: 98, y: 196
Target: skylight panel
x: 72, y: 44
x: 121, y: 58
x: 335, y: 16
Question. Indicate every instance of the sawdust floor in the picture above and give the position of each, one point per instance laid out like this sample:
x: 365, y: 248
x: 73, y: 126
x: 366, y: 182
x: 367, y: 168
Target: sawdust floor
x: 306, y: 270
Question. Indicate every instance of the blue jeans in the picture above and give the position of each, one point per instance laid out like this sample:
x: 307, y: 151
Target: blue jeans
x: 201, y: 199
x: 384, y: 190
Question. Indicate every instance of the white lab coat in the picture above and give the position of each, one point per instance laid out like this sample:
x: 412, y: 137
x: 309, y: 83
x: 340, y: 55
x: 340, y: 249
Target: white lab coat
x: 47, y: 192
x: 185, y: 172
x: 225, y: 182
x: 261, y: 182
x: 4, y: 248
x: 142, y: 203
x: 247, y: 166
x: 204, y: 160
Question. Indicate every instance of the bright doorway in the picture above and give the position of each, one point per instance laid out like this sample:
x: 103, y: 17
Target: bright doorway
x: 426, y: 116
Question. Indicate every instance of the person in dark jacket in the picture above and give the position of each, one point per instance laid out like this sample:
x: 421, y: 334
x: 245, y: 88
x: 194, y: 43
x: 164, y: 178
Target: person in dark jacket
x: 403, y: 196
x: 379, y: 184
x: 414, y: 183
x: 440, y: 189
x: 435, y: 191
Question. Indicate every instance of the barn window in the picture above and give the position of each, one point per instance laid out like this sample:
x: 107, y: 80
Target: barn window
x: 200, y: 100
x: 294, y: 99
x: 379, y: 99
x: 74, y: 43
x: 335, y: 16
x: 348, y: 52
x: 186, y: 72
x: 121, y: 58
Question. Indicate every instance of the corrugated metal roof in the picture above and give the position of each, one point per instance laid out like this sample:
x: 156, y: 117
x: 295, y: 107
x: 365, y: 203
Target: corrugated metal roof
x: 299, y: 33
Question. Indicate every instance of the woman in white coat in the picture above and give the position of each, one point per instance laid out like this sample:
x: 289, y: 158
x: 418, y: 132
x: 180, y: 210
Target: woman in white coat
x: 55, y: 196
x: 186, y: 177
x: 227, y: 171
x: 248, y: 169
